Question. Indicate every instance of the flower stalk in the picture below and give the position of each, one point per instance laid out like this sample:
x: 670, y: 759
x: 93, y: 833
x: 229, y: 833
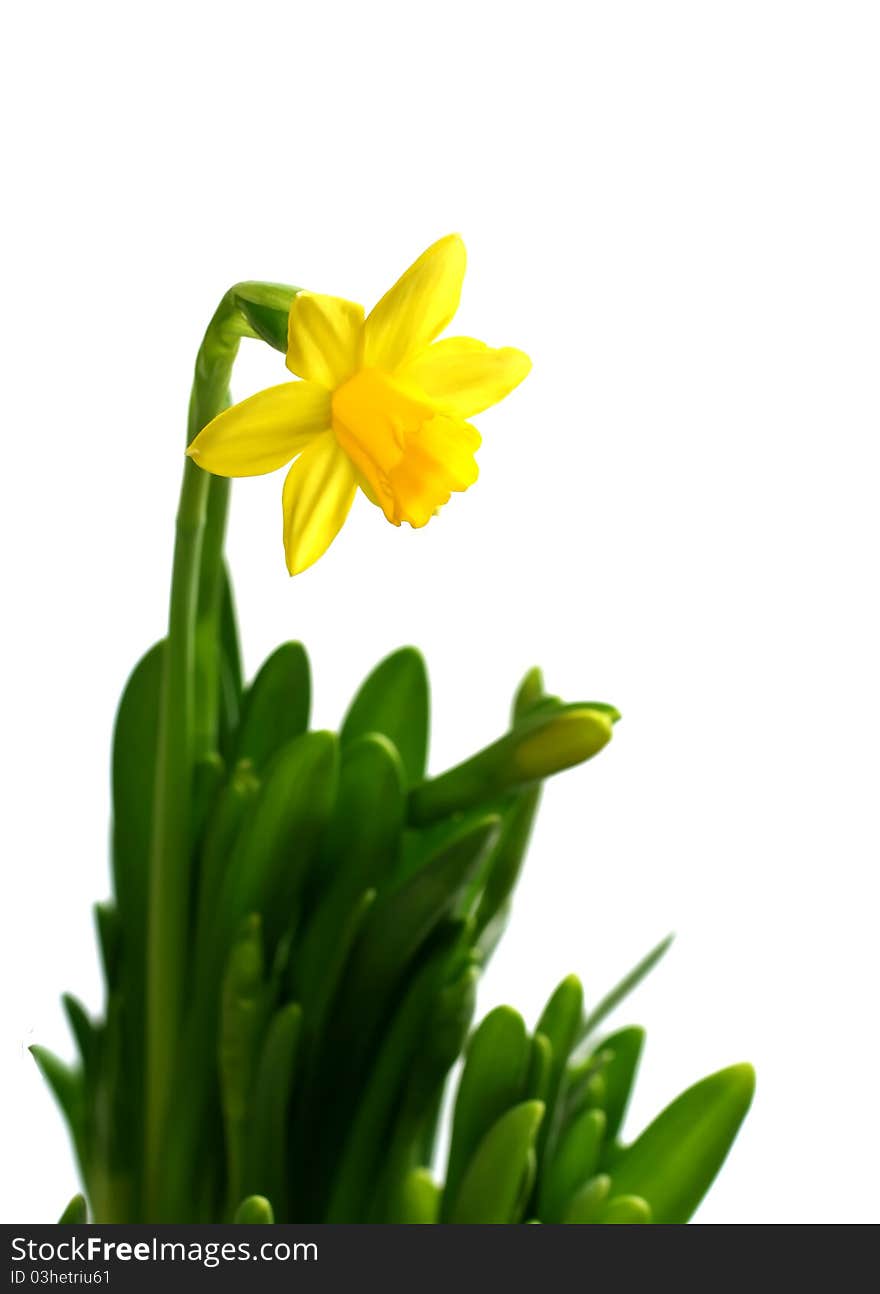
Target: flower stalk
x: 189, y: 705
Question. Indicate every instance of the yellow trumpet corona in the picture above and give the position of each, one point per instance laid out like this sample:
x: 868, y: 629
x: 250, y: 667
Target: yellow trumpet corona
x: 381, y: 405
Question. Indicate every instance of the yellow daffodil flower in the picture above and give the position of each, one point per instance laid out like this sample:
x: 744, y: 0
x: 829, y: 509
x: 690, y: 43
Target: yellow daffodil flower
x: 381, y: 405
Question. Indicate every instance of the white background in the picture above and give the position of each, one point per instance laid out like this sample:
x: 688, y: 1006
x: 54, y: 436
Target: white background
x: 674, y: 208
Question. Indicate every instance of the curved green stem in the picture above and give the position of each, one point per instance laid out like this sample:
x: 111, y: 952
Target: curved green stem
x: 188, y: 711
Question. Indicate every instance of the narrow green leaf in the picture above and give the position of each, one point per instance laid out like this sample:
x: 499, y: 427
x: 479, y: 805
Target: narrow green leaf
x: 269, y: 1105
x: 492, y: 1081
x: 276, y: 705
x: 232, y: 806
x: 540, y: 1068
x: 394, y: 700
x: 243, y: 1015
x: 675, y: 1160
x: 624, y: 988
x: 360, y: 848
x: 378, y: 1100
x: 586, y: 1206
x: 109, y: 942
x: 443, y: 1032
x: 626, y: 1209
x: 559, y: 1024
x: 506, y: 860
x: 254, y: 1210
x: 573, y: 1163
x: 491, y: 1190
x: 84, y: 1032
x: 279, y: 840
x: 624, y: 1050
x: 135, y: 738
x: 540, y: 745
x: 66, y: 1085
x: 76, y: 1213
x: 397, y: 926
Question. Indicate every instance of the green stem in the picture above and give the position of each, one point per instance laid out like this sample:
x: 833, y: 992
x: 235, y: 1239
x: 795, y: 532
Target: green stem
x: 188, y: 712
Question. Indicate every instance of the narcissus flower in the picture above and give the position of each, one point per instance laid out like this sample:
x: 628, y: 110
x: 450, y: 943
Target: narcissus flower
x: 382, y: 405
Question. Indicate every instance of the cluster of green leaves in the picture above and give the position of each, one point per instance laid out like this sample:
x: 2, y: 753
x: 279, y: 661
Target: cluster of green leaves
x: 343, y: 906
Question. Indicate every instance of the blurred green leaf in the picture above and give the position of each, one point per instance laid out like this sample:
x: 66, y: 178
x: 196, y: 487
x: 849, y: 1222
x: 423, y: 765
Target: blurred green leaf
x: 243, y: 1014
x: 492, y: 1081
x: 255, y: 1209
x: 559, y: 1024
x: 492, y: 1187
x: 397, y: 926
x: 540, y: 1068
x: 587, y: 1205
x: 394, y: 700
x: 66, y: 1085
x: 276, y: 705
x: 85, y: 1035
x: 76, y: 1213
x: 626, y: 1209
x: 506, y: 860
x: 365, y: 1147
x: 279, y: 840
x: 573, y: 1163
x: 269, y: 1104
x: 619, y: 1075
x: 360, y: 848
x: 673, y: 1163
x: 418, y: 1199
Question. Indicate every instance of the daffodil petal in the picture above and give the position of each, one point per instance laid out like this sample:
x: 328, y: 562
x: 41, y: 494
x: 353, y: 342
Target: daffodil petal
x: 263, y: 432
x: 324, y: 338
x: 462, y: 377
x: 318, y: 493
x: 417, y: 308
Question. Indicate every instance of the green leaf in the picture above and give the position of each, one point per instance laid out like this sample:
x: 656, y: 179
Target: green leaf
x: 491, y: 1190
x: 540, y: 1067
x: 587, y: 1205
x: 397, y: 926
x: 675, y: 1160
x: 559, y: 1024
x: 276, y: 705
x: 109, y: 942
x: 279, y: 840
x: 619, y: 1074
x: 443, y: 1032
x: 541, y: 744
x: 360, y: 848
x: 624, y: 988
x: 626, y: 1209
x: 394, y: 700
x: 378, y: 1100
x: 573, y: 1163
x: 492, y: 1081
x: 418, y: 1199
x: 76, y: 1213
x: 85, y: 1034
x: 231, y: 808
x: 269, y: 1106
x: 243, y: 1014
x: 255, y: 1209
x: 506, y: 859
x: 66, y: 1085
x: 529, y: 694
